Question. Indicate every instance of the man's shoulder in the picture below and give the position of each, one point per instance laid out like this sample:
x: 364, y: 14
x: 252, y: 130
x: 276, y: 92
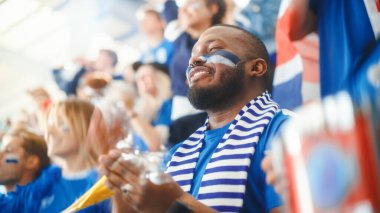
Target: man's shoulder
x: 276, y: 123
x: 281, y: 116
x: 171, y: 152
x: 48, y: 176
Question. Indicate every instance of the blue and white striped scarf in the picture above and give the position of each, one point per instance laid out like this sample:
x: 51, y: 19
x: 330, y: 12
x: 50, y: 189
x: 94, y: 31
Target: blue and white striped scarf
x: 224, y: 181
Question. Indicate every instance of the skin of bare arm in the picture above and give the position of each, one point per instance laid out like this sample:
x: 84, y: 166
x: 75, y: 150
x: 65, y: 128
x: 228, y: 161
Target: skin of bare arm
x: 302, y: 18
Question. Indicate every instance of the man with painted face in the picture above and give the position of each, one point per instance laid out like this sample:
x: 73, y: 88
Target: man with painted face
x: 23, y: 155
x: 23, y: 160
x: 218, y: 167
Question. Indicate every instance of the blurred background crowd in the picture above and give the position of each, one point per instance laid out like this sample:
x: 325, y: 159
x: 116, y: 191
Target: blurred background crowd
x: 66, y: 65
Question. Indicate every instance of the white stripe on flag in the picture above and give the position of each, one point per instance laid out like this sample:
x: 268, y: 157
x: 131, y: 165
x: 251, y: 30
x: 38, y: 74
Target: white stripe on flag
x: 283, y: 7
x: 310, y: 91
x: 288, y: 70
x: 374, y: 16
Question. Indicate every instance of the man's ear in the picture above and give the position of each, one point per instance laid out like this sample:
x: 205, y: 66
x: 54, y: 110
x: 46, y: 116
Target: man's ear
x: 256, y: 67
x: 32, y: 162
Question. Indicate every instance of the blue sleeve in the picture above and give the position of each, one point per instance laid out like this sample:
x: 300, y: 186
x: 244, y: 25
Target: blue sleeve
x: 28, y: 198
x: 9, y: 203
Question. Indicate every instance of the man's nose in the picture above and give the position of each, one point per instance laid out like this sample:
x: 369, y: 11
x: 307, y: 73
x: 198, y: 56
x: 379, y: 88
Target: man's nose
x: 197, y: 60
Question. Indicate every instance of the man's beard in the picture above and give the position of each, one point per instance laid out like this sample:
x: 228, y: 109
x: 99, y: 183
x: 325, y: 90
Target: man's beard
x: 220, y: 96
x: 9, y: 181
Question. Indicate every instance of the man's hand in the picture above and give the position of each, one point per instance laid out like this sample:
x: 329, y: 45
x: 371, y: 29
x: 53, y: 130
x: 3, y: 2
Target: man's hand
x: 127, y: 179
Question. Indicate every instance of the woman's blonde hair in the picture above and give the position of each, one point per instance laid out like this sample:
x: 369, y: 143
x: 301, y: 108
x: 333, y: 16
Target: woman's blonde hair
x: 83, y: 117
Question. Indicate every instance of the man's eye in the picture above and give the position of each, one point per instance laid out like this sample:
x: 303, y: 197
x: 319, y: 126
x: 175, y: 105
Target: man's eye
x: 213, y: 49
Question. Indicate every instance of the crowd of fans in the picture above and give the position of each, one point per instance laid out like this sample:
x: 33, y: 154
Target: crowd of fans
x: 197, y: 74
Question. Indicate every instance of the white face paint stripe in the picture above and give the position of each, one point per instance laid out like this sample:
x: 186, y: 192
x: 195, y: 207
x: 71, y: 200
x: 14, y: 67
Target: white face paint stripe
x: 218, y: 57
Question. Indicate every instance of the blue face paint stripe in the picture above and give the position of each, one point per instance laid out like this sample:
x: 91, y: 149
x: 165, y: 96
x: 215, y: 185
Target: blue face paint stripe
x: 14, y: 161
x: 230, y: 56
x: 11, y: 159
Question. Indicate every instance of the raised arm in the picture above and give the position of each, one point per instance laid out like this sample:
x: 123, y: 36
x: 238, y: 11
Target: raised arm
x: 302, y: 18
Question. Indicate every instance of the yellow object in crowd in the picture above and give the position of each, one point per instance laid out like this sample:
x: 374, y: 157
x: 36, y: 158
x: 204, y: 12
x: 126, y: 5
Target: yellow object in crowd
x: 97, y: 193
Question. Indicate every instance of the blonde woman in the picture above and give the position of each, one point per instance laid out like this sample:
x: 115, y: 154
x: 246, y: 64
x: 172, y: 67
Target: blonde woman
x: 76, y: 135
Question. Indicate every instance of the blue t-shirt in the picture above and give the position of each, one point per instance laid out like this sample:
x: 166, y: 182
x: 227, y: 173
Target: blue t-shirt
x: 28, y: 198
x: 259, y: 196
x: 52, y: 193
x: 162, y: 54
x: 346, y: 38
x: 66, y: 190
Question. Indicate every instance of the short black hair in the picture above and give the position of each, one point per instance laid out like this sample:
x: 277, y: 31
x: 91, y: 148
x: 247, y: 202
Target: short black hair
x: 136, y: 65
x: 218, y: 17
x: 260, y: 51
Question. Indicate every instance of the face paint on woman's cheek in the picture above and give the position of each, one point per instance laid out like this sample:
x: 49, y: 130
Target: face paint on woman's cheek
x: 11, y: 159
x: 217, y: 57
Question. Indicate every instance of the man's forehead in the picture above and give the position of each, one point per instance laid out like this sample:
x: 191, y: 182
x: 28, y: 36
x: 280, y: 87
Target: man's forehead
x: 11, y: 139
x: 218, y: 33
x: 222, y: 33
x: 219, y: 29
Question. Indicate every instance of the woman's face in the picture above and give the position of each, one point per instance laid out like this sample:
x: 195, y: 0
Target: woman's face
x: 60, y: 136
x: 146, y: 80
x: 195, y: 14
